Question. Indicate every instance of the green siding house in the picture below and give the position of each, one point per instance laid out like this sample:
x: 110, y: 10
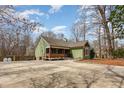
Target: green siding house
x: 50, y: 48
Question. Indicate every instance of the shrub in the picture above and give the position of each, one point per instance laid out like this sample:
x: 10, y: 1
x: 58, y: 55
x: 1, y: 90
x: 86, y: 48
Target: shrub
x: 119, y: 53
x: 92, y: 53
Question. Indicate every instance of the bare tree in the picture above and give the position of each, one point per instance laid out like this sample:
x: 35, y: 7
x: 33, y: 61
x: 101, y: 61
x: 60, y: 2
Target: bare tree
x: 49, y: 34
x: 13, y: 30
x: 60, y: 36
x: 100, y: 19
x: 102, y: 10
x: 81, y: 27
x: 76, y: 32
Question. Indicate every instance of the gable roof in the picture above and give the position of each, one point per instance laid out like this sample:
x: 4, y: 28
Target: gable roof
x: 62, y: 43
x: 79, y: 44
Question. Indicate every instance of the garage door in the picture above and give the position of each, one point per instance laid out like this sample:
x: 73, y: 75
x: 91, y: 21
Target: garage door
x: 77, y: 53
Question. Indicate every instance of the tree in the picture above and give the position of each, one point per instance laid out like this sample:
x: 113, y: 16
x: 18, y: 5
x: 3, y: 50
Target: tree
x: 97, y: 16
x: 13, y: 30
x: 61, y: 36
x: 76, y: 32
x: 81, y: 27
x: 49, y: 34
x: 83, y: 21
x: 101, y: 15
x: 117, y: 19
x: 102, y: 10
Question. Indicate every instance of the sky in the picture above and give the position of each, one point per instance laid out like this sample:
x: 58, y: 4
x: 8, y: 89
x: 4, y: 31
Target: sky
x: 56, y: 18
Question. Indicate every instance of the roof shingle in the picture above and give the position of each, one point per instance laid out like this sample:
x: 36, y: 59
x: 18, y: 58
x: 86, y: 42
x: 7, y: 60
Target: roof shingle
x: 62, y: 43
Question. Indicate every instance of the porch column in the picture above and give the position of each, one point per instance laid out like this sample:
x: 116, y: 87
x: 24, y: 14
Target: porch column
x: 83, y: 52
x: 64, y: 53
x: 49, y: 52
x: 44, y: 56
x: 45, y: 52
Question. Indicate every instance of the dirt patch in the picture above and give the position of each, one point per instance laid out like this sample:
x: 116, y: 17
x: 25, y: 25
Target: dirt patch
x: 60, y: 80
x: 26, y: 70
x: 60, y: 74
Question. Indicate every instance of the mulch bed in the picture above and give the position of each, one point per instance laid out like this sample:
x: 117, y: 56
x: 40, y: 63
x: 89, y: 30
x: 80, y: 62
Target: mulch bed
x: 117, y: 62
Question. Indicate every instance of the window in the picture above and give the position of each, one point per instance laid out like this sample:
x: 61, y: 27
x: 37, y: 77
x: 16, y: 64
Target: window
x: 53, y: 51
x: 60, y: 51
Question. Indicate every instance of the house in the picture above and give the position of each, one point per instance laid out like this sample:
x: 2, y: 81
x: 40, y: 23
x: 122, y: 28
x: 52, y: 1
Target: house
x: 50, y: 48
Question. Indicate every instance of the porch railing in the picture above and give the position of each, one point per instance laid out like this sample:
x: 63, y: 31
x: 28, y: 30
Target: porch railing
x: 55, y: 55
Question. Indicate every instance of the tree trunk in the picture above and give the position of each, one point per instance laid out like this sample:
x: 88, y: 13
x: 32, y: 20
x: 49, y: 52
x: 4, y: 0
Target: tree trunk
x: 99, y: 40
x: 108, y: 40
x: 113, y: 40
x: 84, y: 32
x: 105, y: 24
x: 105, y: 46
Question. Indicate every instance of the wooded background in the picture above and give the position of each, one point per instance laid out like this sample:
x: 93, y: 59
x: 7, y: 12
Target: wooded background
x: 105, y: 22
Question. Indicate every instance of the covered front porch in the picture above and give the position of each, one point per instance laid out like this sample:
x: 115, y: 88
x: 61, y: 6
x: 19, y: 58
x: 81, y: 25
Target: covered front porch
x: 57, y: 53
